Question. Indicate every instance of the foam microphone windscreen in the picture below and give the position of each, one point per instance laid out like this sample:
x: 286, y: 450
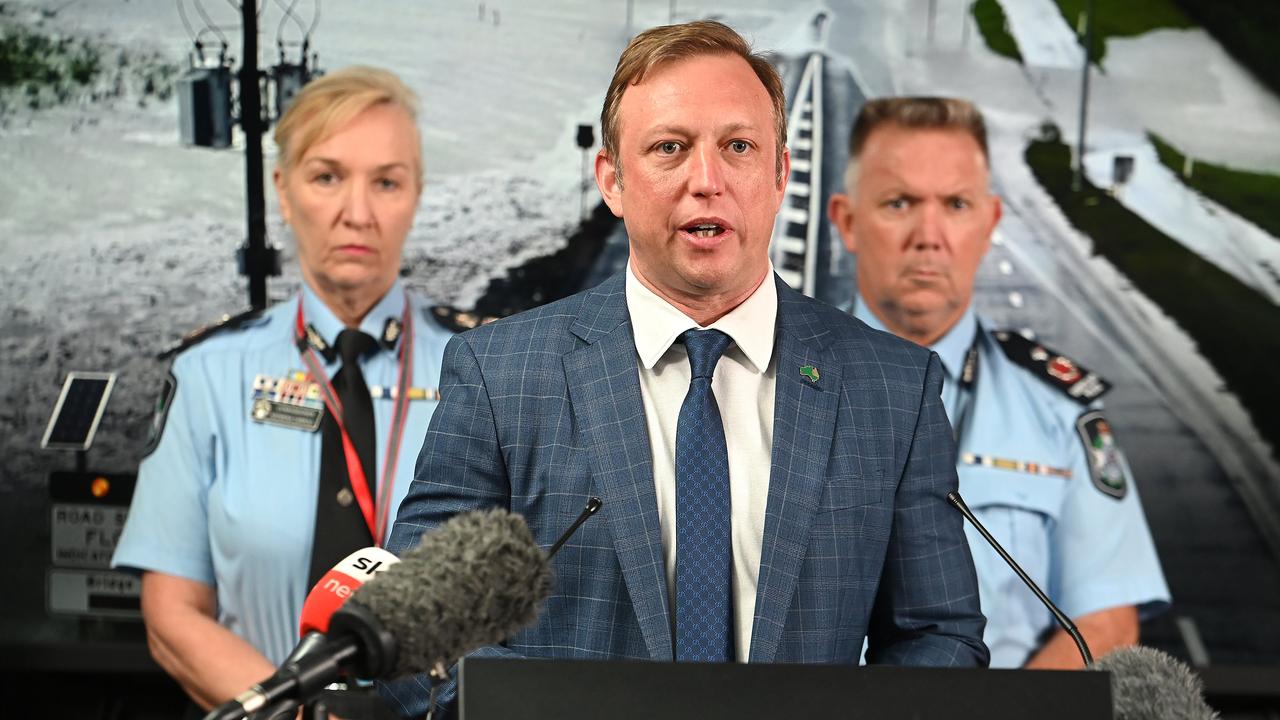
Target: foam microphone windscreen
x: 1147, y: 684
x: 473, y: 581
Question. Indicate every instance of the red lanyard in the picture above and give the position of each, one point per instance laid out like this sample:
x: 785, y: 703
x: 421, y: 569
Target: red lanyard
x: 355, y: 470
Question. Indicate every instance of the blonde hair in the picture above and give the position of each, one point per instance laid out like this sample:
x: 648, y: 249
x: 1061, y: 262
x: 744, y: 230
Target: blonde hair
x: 667, y: 43
x: 329, y: 102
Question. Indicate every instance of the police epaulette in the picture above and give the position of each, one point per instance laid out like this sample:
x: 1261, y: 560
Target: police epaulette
x: 459, y: 320
x: 1057, y: 370
x: 200, y: 334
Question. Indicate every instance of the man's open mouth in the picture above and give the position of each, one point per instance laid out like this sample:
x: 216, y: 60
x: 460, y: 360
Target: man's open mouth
x: 704, y: 230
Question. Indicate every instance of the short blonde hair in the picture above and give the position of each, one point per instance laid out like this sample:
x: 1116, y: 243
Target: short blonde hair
x: 668, y: 43
x: 329, y: 102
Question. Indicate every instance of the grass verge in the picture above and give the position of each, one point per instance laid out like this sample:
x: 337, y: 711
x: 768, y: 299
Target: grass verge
x: 1122, y: 19
x: 1253, y: 196
x: 1233, y: 326
x: 991, y: 23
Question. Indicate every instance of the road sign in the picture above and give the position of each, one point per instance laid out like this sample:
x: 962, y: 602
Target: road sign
x: 87, y: 513
x: 104, y: 593
x: 85, y: 536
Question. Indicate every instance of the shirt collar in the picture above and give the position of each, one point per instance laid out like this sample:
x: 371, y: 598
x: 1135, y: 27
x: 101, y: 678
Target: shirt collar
x: 319, y: 316
x: 656, y: 323
x: 951, y: 347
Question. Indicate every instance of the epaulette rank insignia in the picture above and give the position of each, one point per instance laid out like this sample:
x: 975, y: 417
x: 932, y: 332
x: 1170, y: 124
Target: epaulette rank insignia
x: 1057, y: 370
x: 200, y: 334
x: 457, y: 320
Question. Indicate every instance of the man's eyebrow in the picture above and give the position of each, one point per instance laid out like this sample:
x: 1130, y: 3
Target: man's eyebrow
x: 667, y: 130
x: 681, y: 131
x: 738, y: 126
x: 899, y: 193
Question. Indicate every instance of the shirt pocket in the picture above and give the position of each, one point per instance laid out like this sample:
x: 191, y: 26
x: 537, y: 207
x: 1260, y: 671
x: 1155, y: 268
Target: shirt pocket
x: 984, y: 487
x: 1020, y: 510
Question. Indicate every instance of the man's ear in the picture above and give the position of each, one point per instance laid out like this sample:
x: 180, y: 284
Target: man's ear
x: 840, y: 213
x: 609, y: 180
x: 997, y: 211
x: 785, y: 177
x: 277, y: 178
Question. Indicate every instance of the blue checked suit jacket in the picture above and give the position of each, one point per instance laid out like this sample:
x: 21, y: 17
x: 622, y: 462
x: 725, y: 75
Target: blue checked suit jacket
x: 542, y: 410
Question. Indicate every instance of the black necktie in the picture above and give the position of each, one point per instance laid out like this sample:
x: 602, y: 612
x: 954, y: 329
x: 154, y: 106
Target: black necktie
x: 340, y: 525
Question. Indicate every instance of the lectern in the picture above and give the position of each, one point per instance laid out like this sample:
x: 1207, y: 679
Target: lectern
x: 498, y: 689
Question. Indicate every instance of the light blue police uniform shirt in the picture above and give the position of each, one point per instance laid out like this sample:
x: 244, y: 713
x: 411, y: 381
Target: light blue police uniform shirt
x: 231, y: 502
x: 1087, y: 549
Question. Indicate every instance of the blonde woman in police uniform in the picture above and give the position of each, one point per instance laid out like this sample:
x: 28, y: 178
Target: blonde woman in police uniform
x: 1037, y: 461
x: 264, y: 469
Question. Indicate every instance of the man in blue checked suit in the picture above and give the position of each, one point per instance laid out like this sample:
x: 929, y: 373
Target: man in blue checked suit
x: 773, y: 471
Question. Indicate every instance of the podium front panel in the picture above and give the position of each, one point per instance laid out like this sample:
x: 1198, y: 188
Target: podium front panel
x: 502, y: 689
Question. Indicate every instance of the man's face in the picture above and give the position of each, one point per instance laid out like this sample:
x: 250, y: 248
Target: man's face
x: 919, y: 219
x: 350, y: 200
x: 699, y: 188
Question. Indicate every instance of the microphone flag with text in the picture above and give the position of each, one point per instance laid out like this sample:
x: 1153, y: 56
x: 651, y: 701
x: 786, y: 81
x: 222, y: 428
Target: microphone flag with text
x: 473, y: 581
x: 337, y: 585
x: 329, y: 594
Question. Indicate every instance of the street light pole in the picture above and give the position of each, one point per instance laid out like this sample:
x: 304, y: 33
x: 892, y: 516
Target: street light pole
x: 257, y: 260
x: 1077, y: 177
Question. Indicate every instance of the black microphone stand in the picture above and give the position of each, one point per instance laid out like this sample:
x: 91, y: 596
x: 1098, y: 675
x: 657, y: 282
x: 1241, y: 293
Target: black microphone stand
x: 954, y: 498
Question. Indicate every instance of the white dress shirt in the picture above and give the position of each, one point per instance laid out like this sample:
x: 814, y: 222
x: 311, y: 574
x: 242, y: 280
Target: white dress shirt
x: 743, y: 384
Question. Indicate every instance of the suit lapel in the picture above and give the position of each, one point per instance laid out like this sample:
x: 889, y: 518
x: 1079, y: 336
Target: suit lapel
x: 806, y: 399
x: 604, y: 389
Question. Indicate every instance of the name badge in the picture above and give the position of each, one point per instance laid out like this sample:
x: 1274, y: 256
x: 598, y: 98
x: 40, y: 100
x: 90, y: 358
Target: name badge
x: 292, y: 401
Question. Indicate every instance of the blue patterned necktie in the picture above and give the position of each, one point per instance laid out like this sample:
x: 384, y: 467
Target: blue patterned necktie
x: 703, y: 581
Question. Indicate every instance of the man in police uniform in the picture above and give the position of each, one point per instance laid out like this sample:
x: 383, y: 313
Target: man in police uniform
x: 1037, y: 461
x: 285, y: 440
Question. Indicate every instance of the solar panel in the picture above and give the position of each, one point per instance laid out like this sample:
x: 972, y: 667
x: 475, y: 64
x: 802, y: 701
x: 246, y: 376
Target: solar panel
x: 78, y: 411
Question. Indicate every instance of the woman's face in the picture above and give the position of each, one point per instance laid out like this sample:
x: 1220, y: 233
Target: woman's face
x: 350, y: 200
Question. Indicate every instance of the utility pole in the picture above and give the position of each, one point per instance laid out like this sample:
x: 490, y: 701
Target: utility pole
x: 256, y: 259
x: 1077, y: 177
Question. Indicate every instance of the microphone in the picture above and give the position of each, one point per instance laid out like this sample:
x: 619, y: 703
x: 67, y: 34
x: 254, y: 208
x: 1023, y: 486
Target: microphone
x: 329, y: 593
x: 473, y: 581
x: 954, y: 498
x: 1147, y: 684
x: 336, y: 586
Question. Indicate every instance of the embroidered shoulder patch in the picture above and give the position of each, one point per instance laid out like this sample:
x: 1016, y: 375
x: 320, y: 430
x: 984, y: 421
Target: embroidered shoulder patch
x: 1055, y: 369
x: 161, y: 415
x: 1103, y: 454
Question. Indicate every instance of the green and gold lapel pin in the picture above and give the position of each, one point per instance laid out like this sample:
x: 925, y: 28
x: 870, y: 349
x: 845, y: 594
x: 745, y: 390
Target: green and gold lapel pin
x: 810, y: 373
